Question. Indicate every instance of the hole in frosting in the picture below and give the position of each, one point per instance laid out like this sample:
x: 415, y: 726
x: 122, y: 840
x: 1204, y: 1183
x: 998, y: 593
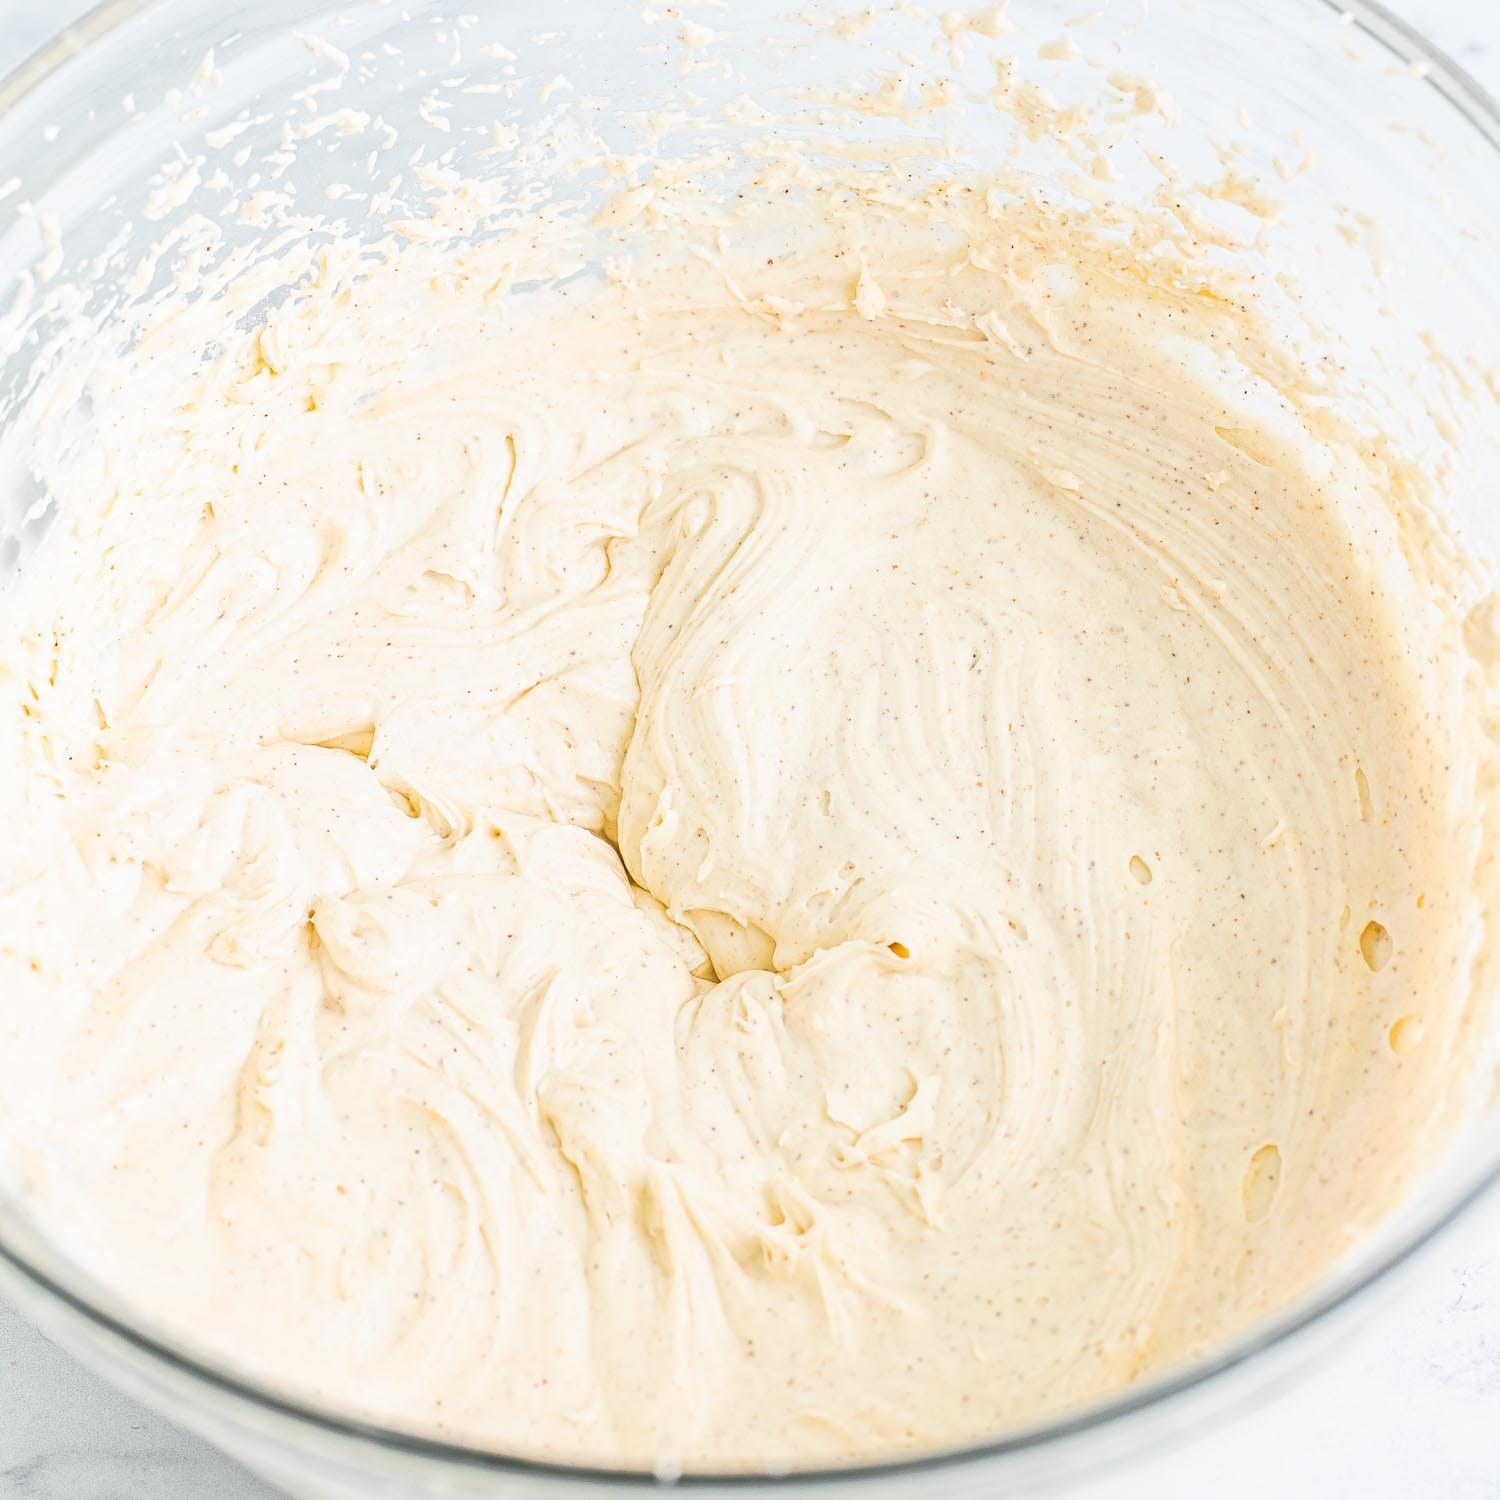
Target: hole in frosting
x: 1405, y: 1034
x: 1140, y: 869
x: 1362, y: 787
x: 1262, y: 1177
x: 408, y: 802
x: 1375, y: 946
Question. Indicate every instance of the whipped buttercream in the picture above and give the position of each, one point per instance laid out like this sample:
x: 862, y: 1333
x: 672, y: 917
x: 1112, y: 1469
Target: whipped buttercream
x: 809, y: 852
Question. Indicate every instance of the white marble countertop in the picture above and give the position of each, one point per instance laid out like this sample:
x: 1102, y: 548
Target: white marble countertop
x: 1409, y: 1408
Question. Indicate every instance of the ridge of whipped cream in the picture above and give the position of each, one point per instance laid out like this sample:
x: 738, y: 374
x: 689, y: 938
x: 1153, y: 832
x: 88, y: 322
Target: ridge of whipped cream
x: 846, y: 832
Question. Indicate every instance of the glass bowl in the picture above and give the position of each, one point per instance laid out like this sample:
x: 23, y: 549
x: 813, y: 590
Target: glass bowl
x: 153, y: 119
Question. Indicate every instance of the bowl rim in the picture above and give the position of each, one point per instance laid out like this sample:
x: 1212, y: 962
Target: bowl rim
x: 1345, y: 1287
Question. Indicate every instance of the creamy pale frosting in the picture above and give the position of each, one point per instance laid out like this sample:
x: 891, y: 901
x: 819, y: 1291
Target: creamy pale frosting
x: 795, y: 856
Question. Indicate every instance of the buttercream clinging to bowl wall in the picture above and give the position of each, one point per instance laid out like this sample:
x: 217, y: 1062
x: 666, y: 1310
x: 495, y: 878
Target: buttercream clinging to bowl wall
x: 853, y: 825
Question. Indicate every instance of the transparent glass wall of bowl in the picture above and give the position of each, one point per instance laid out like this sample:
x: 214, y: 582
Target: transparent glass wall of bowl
x: 140, y: 139
x: 1391, y: 217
